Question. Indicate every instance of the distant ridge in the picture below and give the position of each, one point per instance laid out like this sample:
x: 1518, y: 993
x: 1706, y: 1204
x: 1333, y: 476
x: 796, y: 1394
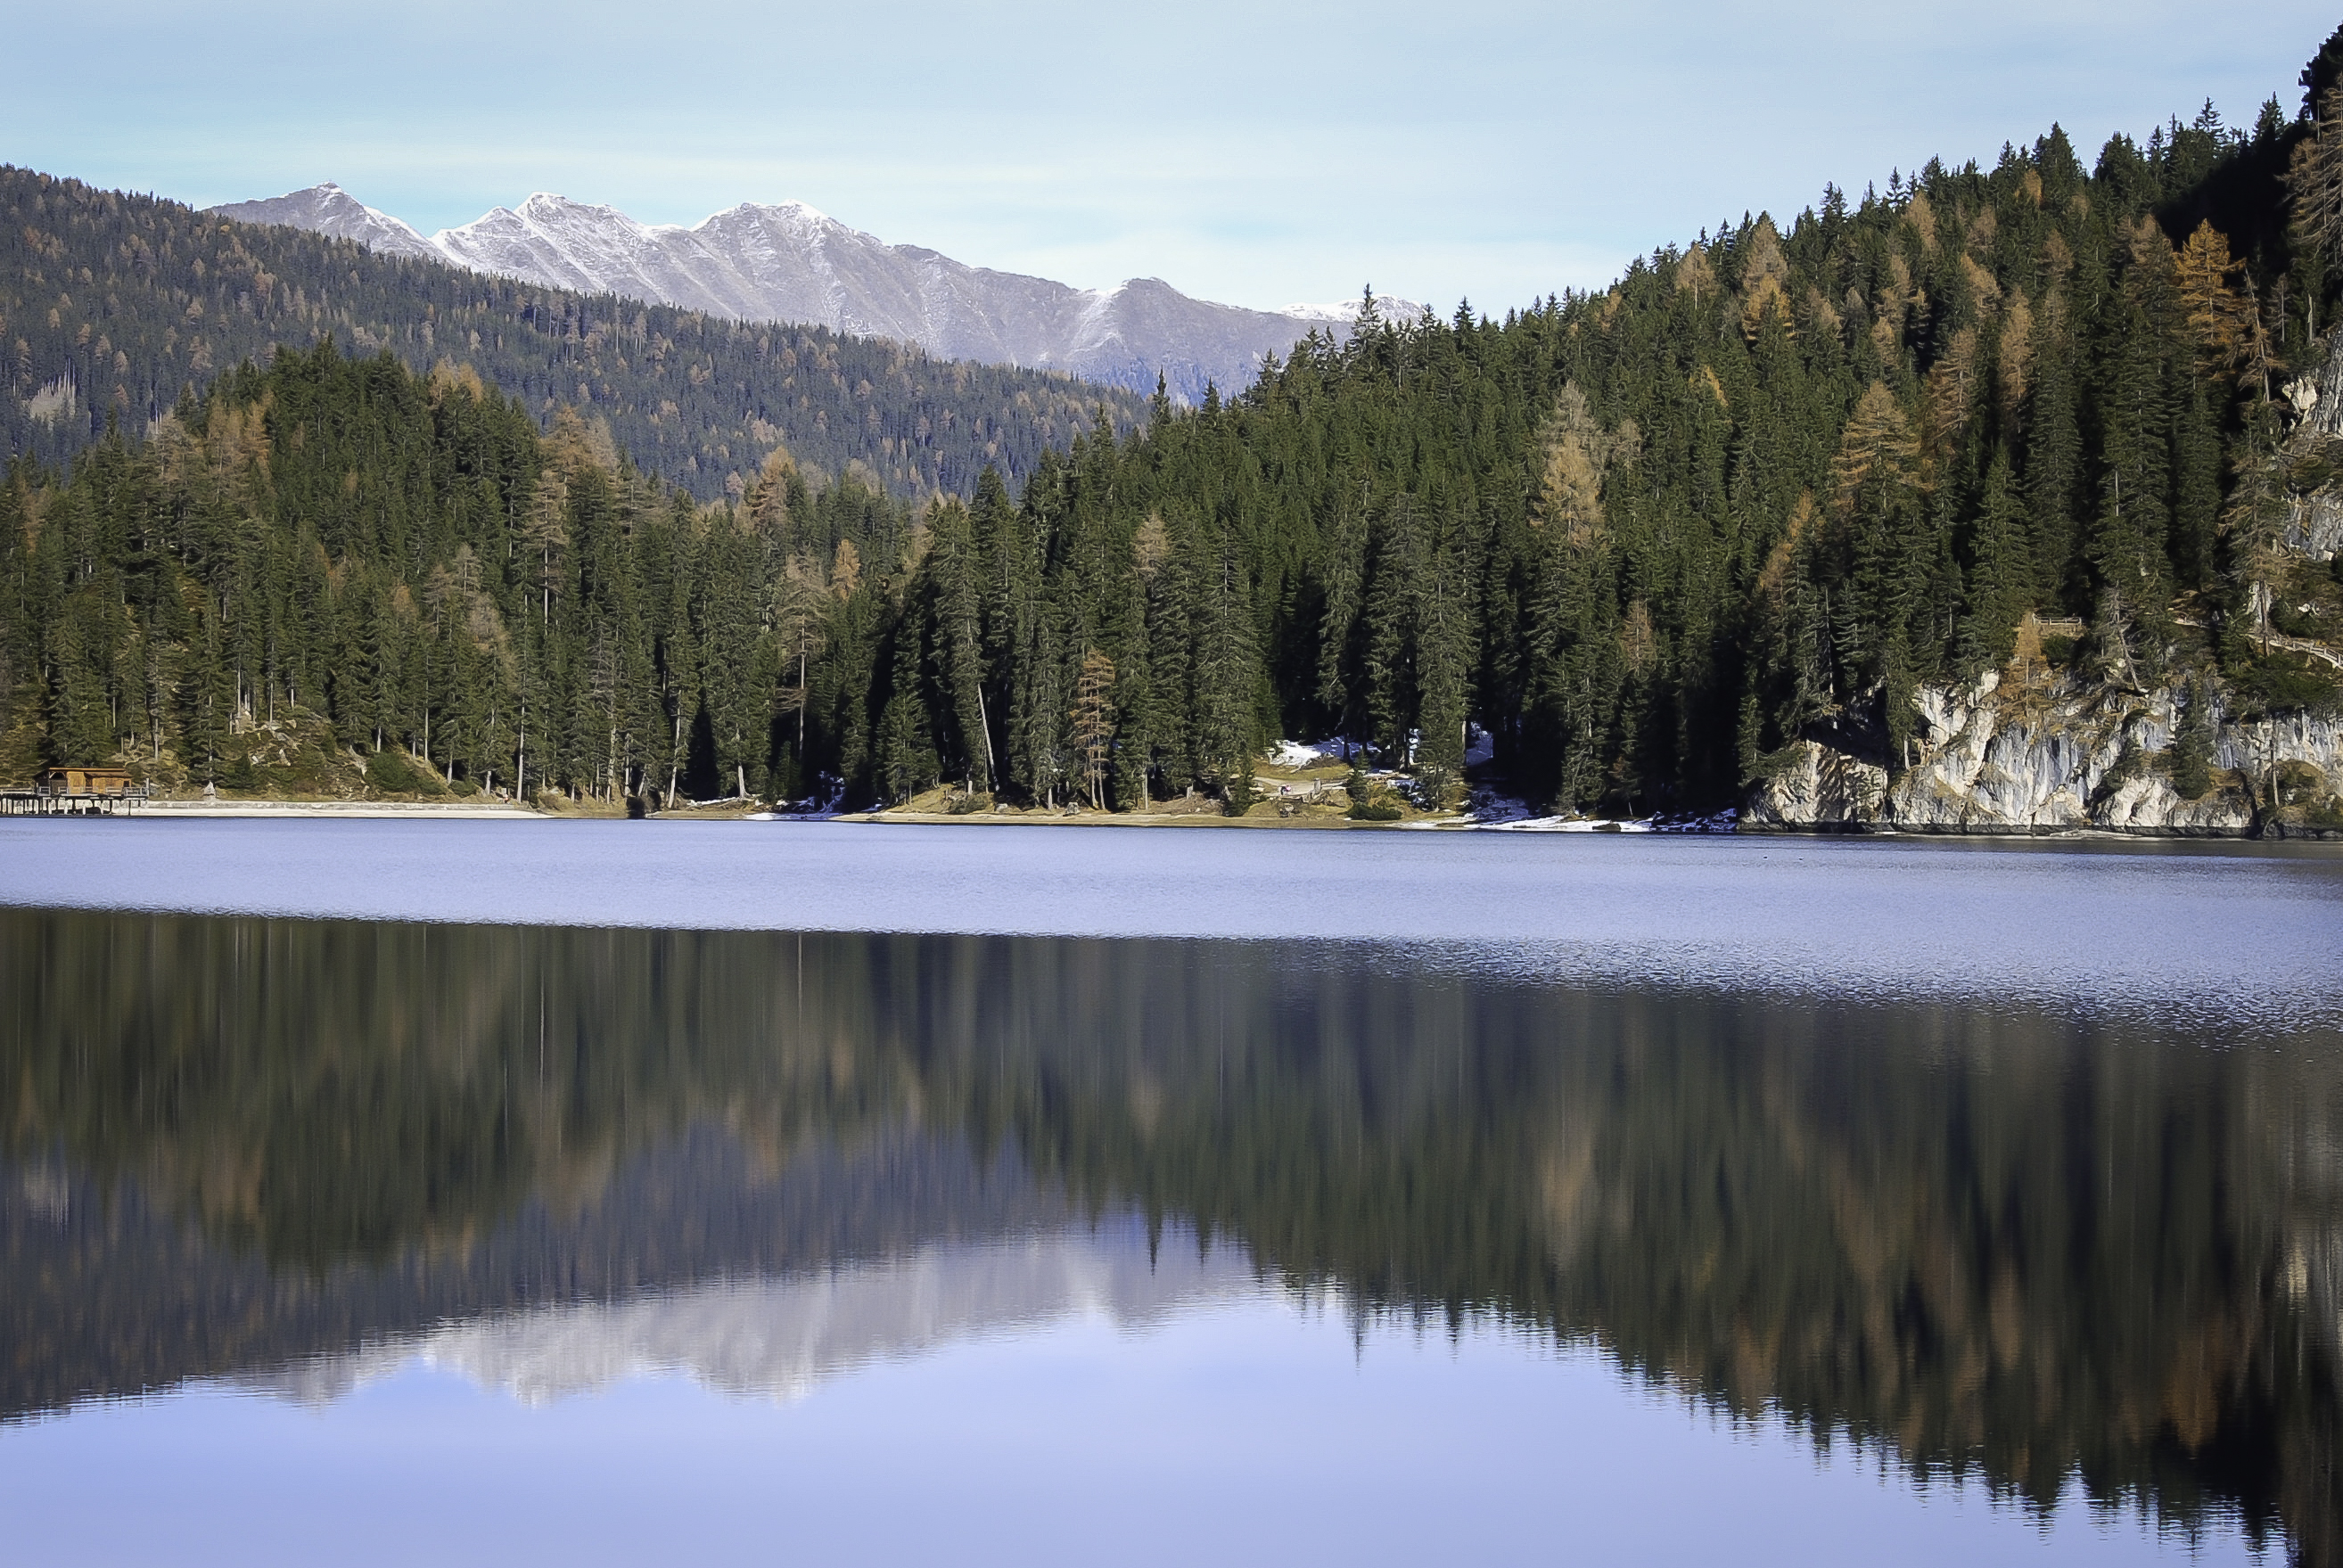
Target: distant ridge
x: 113, y: 305
x: 329, y: 209
x: 789, y: 262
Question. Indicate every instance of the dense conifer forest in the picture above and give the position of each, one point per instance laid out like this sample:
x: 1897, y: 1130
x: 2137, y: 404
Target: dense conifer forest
x: 112, y: 305
x: 1764, y: 489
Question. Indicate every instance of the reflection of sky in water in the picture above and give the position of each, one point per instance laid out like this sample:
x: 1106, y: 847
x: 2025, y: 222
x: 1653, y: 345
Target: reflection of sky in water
x: 1248, y: 1429
x: 2233, y: 931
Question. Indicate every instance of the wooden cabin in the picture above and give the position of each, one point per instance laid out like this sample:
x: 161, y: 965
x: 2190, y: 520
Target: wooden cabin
x: 74, y: 792
x: 86, y: 781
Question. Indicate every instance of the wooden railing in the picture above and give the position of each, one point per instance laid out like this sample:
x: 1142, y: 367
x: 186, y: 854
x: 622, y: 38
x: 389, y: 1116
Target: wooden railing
x: 48, y: 801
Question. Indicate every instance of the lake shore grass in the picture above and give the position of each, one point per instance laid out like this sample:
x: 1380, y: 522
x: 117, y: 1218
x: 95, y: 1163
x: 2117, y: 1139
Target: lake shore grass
x: 1310, y: 799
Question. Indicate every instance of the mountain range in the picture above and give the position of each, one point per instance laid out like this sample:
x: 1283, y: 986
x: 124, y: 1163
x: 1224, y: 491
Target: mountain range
x: 789, y: 263
x: 115, y: 305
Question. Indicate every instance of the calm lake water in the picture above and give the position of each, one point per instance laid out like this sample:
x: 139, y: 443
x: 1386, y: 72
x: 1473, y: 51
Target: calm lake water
x: 482, y: 1192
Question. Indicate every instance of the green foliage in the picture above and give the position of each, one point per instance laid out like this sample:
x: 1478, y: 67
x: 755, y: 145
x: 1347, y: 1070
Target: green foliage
x: 392, y: 773
x: 2192, y: 746
x: 1241, y: 791
x: 2283, y: 683
x: 1371, y: 801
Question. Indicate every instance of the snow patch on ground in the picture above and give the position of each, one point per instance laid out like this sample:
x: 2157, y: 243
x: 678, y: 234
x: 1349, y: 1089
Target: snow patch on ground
x: 1725, y: 821
x: 827, y: 801
x: 1311, y: 753
x: 1487, y: 809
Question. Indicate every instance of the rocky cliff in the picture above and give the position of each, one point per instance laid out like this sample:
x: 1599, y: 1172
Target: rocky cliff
x: 2037, y: 752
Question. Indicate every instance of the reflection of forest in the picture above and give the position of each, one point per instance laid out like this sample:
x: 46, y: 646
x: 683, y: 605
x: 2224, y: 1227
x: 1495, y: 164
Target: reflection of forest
x: 1976, y: 1238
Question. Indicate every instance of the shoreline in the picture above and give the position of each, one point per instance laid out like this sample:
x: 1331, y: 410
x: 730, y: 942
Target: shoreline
x: 1112, y: 819
x: 420, y: 810
x: 2274, y: 833
x: 379, y: 810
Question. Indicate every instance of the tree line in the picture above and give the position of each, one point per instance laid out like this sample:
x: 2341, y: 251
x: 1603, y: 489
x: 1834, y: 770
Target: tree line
x: 1759, y: 491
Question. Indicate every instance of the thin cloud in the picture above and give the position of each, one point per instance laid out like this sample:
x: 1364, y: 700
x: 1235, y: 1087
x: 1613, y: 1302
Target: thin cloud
x: 1252, y: 154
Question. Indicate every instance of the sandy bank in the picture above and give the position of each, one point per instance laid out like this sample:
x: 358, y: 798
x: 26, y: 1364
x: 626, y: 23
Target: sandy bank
x: 298, y: 809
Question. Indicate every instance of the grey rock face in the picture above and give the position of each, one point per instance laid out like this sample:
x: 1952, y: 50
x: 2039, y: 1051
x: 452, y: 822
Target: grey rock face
x: 2315, y: 521
x: 2044, y: 758
x: 789, y: 262
x: 1822, y: 787
x: 2313, y: 525
x: 2318, y: 400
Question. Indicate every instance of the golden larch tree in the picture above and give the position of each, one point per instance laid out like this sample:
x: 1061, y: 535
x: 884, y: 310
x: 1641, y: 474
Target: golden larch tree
x: 2315, y: 179
x: 1878, y: 439
x: 1093, y: 718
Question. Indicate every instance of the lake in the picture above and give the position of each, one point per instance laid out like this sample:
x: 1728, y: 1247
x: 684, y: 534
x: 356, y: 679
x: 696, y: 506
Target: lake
x: 474, y: 1192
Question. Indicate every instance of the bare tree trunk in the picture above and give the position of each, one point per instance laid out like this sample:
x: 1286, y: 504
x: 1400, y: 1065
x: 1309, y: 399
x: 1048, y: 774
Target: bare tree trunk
x: 991, y: 771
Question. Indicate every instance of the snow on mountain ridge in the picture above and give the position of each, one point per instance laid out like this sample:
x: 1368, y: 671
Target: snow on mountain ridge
x: 1344, y: 313
x: 329, y: 209
x: 787, y: 261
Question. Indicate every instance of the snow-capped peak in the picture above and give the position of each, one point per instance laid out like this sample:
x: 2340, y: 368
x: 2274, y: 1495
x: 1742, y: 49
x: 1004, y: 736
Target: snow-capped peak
x: 787, y: 261
x: 1345, y: 312
x: 328, y: 208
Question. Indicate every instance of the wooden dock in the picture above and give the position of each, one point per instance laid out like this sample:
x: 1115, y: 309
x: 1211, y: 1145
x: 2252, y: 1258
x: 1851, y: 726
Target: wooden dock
x: 74, y: 792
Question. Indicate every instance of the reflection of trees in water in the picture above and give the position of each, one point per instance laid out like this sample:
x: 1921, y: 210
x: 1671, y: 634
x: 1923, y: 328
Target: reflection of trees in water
x: 1978, y: 1237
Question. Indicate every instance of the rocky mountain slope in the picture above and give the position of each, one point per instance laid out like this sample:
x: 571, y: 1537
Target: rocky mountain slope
x: 792, y: 263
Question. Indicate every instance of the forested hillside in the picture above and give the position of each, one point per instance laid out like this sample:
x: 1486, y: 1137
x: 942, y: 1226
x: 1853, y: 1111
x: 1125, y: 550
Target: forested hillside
x: 1762, y: 492
x: 111, y: 305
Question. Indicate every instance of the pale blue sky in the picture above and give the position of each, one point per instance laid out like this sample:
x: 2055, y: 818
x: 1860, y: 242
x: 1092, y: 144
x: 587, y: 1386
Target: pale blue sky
x: 1260, y: 154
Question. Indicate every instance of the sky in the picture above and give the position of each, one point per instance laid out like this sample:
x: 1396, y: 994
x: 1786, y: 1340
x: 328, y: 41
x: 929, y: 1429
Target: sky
x: 1258, y: 154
